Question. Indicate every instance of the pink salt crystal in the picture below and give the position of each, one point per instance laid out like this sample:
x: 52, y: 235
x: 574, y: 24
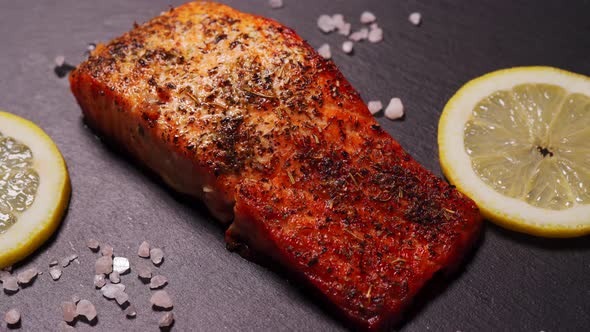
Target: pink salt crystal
x: 144, y: 250
x: 110, y: 291
x: 157, y: 256
x: 130, y: 311
x: 158, y: 282
x: 68, y: 309
x: 104, y: 265
x: 368, y: 17
x: 93, y: 245
x: 375, y: 106
x: 99, y: 281
x: 55, y: 272
x: 161, y: 299
x: 86, y: 309
x: 114, y: 277
x: 27, y: 276
x: 10, y: 285
x: 143, y: 272
x: 166, y: 320
x: 107, y: 250
x: 12, y: 317
x: 121, y: 298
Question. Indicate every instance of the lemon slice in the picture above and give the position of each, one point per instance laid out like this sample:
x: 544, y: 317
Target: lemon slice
x: 34, y: 188
x: 517, y: 142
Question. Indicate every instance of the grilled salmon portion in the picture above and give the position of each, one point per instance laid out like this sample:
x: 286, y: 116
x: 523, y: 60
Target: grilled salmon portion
x: 238, y: 111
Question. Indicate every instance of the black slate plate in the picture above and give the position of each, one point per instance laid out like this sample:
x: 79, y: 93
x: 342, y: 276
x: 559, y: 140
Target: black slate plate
x: 512, y: 282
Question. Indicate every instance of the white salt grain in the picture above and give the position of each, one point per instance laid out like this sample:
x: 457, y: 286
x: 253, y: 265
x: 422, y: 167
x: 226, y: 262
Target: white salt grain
x: 347, y: 46
x: 326, y: 24
x: 99, y: 281
x: 158, y: 282
x: 27, y: 276
x: 104, y: 265
x: 68, y: 309
x: 86, y: 309
x: 111, y: 290
x: 144, y: 250
x: 360, y: 35
x: 55, y: 272
x: 161, y: 299
x: 368, y: 17
x: 325, y: 52
x: 93, y: 245
x: 395, y: 109
x: 121, y: 265
x: 166, y: 320
x: 375, y: 106
x: 375, y: 34
x: 415, y: 18
x: 157, y: 256
x: 275, y: 4
x: 114, y: 277
x: 10, y: 285
x: 12, y: 317
x: 130, y: 311
x: 121, y: 298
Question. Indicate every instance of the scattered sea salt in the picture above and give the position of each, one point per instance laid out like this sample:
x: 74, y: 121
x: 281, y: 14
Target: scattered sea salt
x: 107, y: 250
x: 93, y: 245
x: 10, y: 285
x: 55, y: 272
x: 275, y: 4
x: 27, y: 276
x: 143, y: 272
x: 345, y: 29
x: 166, y: 320
x: 158, y: 282
x: 144, y: 250
x: 111, y: 290
x: 114, y: 277
x: 360, y: 35
x: 326, y: 23
x: 347, y: 46
x: 130, y: 311
x: 161, y: 299
x: 325, y: 52
x: 395, y: 109
x: 375, y: 34
x: 104, y: 265
x: 415, y: 18
x: 368, y: 17
x: 99, y: 281
x: 121, y: 265
x: 157, y: 256
x: 68, y: 309
x: 375, y: 106
x: 86, y: 309
x: 121, y: 298
x: 12, y: 317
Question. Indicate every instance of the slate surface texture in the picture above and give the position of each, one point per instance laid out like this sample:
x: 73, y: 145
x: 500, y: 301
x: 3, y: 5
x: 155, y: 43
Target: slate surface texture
x: 513, y: 282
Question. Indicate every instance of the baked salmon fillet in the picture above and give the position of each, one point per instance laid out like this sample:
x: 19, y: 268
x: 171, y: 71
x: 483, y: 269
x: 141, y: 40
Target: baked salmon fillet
x: 238, y: 111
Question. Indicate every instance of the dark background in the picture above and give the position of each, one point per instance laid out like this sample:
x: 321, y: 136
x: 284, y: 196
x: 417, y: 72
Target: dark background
x: 512, y: 282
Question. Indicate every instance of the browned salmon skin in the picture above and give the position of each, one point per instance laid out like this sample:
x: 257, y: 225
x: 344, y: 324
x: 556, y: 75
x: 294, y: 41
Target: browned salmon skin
x: 238, y: 111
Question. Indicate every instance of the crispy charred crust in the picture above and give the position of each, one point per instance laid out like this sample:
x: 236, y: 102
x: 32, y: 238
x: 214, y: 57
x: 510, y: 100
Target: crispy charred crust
x: 268, y: 124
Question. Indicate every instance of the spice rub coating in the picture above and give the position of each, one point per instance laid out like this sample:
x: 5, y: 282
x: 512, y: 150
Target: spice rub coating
x: 238, y: 111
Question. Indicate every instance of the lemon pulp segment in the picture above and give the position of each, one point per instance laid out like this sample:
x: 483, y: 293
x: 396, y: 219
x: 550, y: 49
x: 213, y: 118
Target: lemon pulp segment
x: 532, y: 143
x: 18, y: 180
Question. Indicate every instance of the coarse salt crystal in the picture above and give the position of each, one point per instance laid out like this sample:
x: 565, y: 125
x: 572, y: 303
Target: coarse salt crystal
x: 360, y: 35
x: 161, y: 299
x: 121, y: 265
x: 111, y: 290
x: 415, y: 18
x: 114, y: 277
x: 158, y: 282
x: 27, y: 276
x: 12, y: 317
x: 347, y: 46
x: 375, y: 106
x: 53, y: 262
x: 157, y: 256
x: 104, y: 265
x: 121, y: 298
x: 144, y: 250
x: 130, y: 311
x: 68, y: 309
x: 338, y: 20
x: 86, y: 309
x: 368, y: 17
x: 99, y: 281
x: 55, y: 272
x: 375, y: 35
x: 166, y: 320
x: 59, y: 60
x: 345, y: 29
x: 275, y: 4
x: 93, y: 245
x: 395, y: 109
x: 143, y: 272
x: 326, y: 24
x: 107, y: 250
x: 325, y: 51
x: 10, y: 285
